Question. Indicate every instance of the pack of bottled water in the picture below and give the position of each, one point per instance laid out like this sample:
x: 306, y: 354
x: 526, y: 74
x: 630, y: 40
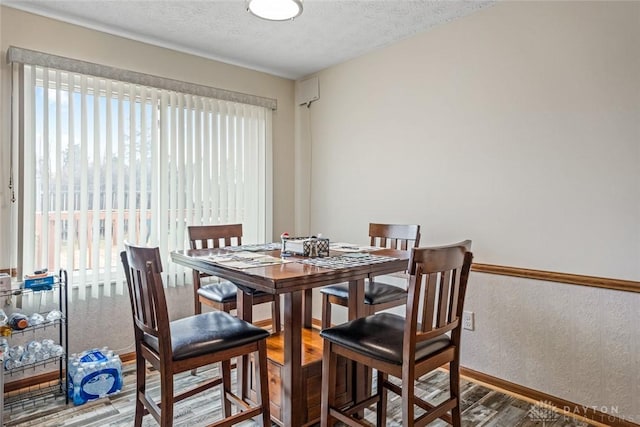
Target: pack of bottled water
x: 34, y: 351
x: 93, y: 374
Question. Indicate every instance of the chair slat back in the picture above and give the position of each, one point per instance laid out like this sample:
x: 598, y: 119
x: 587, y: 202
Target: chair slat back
x: 214, y: 236
x: 142, y: 268
x: 395, y: 236
x: 437, y: 288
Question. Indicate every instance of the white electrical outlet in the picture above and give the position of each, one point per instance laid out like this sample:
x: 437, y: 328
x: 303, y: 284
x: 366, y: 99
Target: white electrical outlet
x: 468, y: 320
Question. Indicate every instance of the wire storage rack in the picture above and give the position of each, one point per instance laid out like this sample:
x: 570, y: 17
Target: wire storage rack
x: 53, y: 329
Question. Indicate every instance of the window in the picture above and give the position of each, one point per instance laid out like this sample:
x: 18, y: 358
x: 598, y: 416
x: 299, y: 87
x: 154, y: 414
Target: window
x: 103, y: 161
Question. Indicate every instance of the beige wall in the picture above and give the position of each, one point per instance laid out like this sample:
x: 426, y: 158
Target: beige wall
x: 89, y: 319
x: 518, y: 127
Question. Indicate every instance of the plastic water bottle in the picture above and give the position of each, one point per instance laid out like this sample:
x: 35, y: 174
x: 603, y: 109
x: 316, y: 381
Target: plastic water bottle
x: 16, y: 352
x: 28, y: 358
x: 89, y: 369
x: 56, y: 350
x: 47, y: 343
x: 34, y: 346
x: 53, y: 315
x: 10, y: 363
x: 72, y: 370
x: 36, y: 319
x: 76, y: 393
x: 117, y: 365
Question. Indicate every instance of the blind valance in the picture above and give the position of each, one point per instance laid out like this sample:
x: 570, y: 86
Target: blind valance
x: 32, y: 57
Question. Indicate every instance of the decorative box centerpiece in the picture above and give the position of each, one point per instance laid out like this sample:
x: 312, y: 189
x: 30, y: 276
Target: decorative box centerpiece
x: 305, y: 246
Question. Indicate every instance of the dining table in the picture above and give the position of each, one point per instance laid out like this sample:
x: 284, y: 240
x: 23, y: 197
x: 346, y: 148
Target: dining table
x: 295, y: 354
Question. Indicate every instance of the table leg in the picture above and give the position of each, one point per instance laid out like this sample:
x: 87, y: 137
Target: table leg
x: 357, y: 310
x: 293, y: 402
x: 307, y: 305
x: 245, y: 311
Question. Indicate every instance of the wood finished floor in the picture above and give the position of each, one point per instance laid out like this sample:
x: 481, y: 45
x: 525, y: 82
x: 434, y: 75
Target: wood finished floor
x: 481, y: 406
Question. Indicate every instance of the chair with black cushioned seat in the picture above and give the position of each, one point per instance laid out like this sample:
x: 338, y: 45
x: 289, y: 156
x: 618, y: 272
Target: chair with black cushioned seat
x: 408, y: 347
x: 181, y: 345
x: 378, y: 295
x: 222, y: 295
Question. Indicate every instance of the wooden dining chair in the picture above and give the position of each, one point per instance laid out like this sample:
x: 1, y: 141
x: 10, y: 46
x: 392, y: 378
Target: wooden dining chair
x: 222, y: 294
x: 378, y: 295
x: 406, y: 347
x: 181, y: 345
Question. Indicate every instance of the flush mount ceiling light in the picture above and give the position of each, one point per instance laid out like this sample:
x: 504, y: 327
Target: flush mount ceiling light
x: 275, y: 10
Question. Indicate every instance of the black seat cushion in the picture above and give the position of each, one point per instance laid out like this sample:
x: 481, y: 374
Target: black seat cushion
x: 374, y: 292
x: 380, y: 336
x: 208, y: 333
x: 224, y: 291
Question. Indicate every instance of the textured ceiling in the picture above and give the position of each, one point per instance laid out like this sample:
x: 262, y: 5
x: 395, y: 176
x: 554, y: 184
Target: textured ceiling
x: 327, y: 33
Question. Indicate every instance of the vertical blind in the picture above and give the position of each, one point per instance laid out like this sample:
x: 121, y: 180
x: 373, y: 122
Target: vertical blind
x: 103, y: 161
